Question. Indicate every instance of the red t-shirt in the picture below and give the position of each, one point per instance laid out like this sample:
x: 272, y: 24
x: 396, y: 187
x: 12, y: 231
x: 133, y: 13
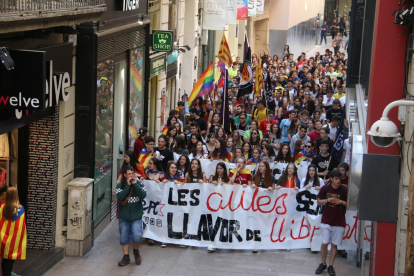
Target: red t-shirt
x: 241, y: 178
x: 333, y: 215
x: 314, y: 135
x: 265, y: 126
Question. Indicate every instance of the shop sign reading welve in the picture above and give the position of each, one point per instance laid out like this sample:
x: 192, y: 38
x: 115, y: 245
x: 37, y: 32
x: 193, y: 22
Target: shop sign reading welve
x: 32, y: 84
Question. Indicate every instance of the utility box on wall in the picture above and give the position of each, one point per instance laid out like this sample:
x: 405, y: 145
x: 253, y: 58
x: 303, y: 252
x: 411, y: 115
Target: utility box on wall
x: 79, y: 238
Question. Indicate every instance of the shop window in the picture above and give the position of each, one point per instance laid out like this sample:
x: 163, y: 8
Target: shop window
x: 136, y: 114
x: 103, y: 142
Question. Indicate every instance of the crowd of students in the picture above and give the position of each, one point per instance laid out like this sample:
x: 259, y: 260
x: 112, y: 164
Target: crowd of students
x: 296, y: 123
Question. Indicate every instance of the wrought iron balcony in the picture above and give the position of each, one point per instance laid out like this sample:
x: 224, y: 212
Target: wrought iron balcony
x: 39, y: 14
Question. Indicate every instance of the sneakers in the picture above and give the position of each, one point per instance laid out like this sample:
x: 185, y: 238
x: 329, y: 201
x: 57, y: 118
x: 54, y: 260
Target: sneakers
x: 183, y: 246
x: 320, y: 268
x: 150, y: 242
x: 125, y: 261
x: 331, y: 271
x: 210, y: 249
x: 163, y: 245
x: 254, y: 251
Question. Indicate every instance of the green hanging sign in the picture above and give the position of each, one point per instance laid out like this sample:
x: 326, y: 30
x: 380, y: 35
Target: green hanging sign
x: 162, y: 41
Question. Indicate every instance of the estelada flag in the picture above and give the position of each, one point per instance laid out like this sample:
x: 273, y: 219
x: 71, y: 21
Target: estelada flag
x: 259, y: 80
x: 224, y: 52
x: 144, y: 157
x: 13, y: 236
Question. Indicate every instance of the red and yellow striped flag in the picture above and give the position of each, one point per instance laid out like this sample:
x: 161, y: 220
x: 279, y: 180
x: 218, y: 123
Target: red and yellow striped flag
x: 144, y: 157
x: 13, y: 236
x: 224, y: 52
x: 259, y: 80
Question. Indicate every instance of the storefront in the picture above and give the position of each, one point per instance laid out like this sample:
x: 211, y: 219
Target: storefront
x: 115, y: 89
x: 36, y: 141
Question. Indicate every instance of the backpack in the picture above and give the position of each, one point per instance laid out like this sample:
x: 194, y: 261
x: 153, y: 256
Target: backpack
x: 341, y: 195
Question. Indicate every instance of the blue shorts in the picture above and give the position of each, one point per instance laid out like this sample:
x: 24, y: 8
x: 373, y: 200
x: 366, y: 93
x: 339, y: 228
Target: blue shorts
x: 130, y: 230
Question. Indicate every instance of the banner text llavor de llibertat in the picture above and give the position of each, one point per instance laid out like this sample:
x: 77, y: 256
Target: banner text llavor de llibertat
x: 236, y: 217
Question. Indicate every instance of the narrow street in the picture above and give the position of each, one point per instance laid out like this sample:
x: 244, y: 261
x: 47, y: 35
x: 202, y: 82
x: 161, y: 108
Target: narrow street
x: 156, y: 261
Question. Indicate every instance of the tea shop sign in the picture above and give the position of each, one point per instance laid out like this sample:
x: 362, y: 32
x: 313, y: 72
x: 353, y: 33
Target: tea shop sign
x: 162, y: 41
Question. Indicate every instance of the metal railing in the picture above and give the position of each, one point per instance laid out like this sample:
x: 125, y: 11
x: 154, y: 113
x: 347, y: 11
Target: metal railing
x: 24, y: 6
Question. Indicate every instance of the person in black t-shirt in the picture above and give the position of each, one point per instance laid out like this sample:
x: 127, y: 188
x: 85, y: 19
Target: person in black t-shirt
x: 324, y: 137
x: 165, y: 154
x: 200, y: 121
x: 336, y: 109
x: 323, y: 161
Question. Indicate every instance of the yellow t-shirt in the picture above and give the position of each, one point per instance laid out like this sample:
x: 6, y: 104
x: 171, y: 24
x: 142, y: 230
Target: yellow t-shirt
x: 337, y: 96
x: 260, y: 115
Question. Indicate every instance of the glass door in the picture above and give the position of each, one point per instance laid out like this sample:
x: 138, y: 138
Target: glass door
x: 119, y: 135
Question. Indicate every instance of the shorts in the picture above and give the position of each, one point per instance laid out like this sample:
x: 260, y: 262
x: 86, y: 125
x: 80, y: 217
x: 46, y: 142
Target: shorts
x: 130, y: 230
x: 332, y: 234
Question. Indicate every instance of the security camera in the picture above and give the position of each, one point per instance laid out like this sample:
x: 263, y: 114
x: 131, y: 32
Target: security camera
x: 383, y: 132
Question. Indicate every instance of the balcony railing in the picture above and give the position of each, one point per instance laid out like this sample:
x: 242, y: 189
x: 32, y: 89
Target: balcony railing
x: 28, y: 6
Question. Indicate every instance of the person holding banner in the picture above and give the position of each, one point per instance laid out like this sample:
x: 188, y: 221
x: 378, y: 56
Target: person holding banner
x: 130, y: 193
x: 334, y: 197
x: 220, y: 176
x: 183, y: 165
x: 311, y: 179
x: 195, y: 174
x: 172, y: 174
x: 264, y: 178
x: 241, y: 175
x: 289, y: 178
x: 154, y: 171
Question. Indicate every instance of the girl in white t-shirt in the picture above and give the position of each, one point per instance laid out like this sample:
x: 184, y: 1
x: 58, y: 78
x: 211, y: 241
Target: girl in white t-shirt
x: 311, y: 179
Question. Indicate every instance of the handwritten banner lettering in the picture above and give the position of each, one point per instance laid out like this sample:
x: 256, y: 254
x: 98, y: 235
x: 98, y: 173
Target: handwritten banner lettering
x: 233, y: 217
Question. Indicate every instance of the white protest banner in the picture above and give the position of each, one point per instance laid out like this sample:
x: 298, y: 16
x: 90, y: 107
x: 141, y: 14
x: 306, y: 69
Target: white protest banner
x: 231, y: 12
x: 260, y: 6
x: 251, y: 8
x: 214, y: 14
x: 233, y: 217
x: 278, y: 169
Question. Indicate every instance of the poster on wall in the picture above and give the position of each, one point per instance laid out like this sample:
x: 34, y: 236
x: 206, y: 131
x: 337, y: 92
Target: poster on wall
x: 231, y: 13
x: 214, y: 15
x: 260, y: 6
x: 242, y: 9
x: 251, y: 8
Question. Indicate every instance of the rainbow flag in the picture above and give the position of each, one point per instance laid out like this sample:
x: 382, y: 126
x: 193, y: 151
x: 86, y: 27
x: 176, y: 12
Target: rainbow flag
x: 224, y: 53
x: 136, y: 80
x: 13, y: 236
x: 204, y: 84
x: 144, y: 157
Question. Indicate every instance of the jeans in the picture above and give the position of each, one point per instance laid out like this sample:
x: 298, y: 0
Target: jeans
x: 130, y: 230
x: 323, y: 36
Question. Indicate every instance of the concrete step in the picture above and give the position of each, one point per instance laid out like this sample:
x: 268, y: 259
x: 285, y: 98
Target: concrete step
x: 38, y: 262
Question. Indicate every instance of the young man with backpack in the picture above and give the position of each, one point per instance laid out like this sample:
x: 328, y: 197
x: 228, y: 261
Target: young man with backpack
x: 334, y: 196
